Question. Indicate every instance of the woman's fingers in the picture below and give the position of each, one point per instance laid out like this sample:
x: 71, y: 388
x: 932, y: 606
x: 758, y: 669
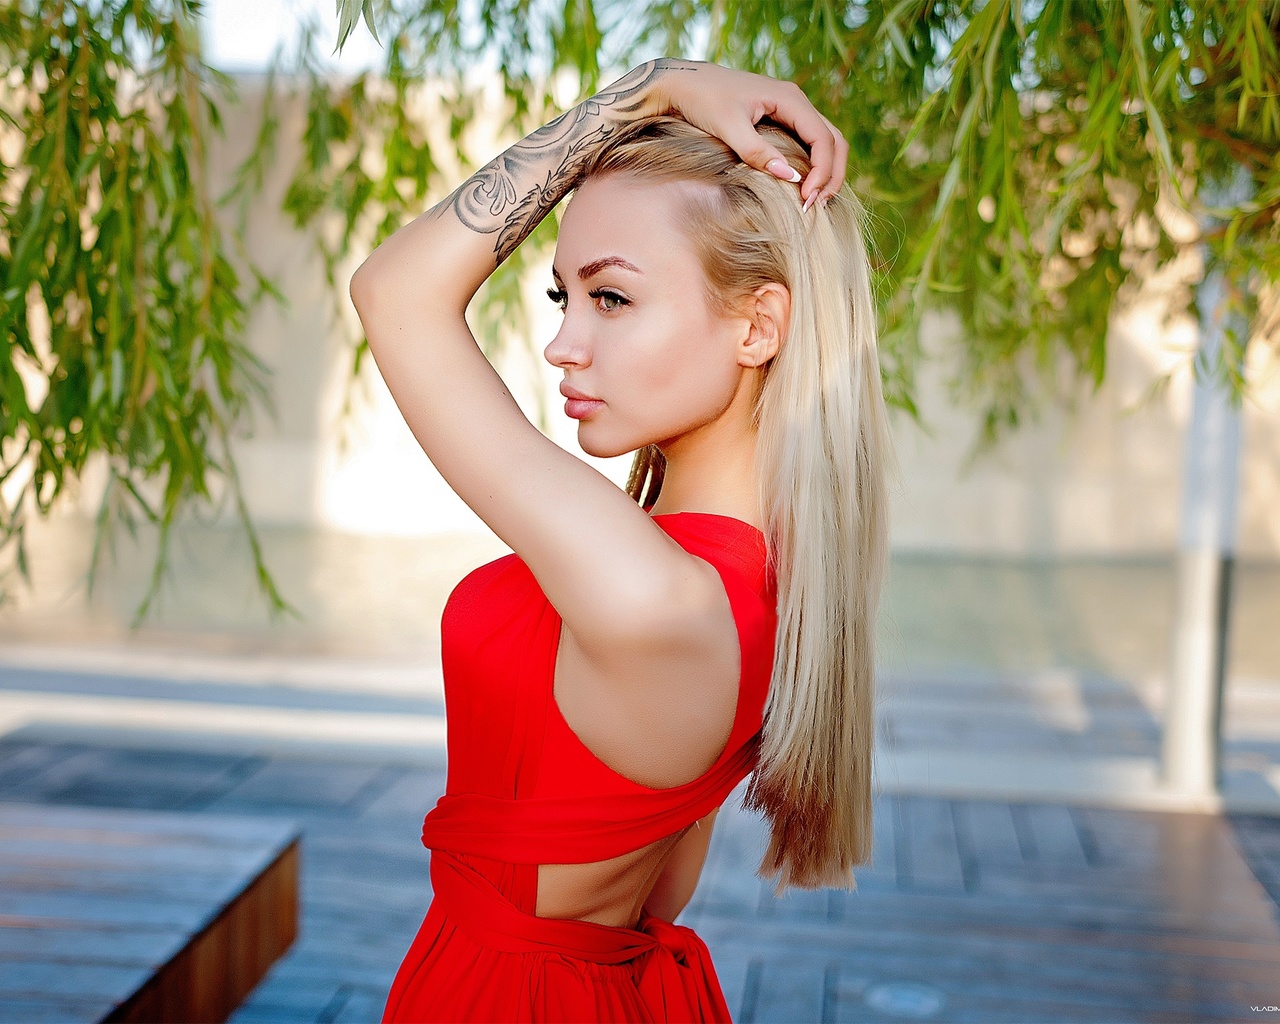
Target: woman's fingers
x: 729, y: 104
x: 793, y: 109
x: 840, y: 166
x: 828, y: 150
x: 741, y: 136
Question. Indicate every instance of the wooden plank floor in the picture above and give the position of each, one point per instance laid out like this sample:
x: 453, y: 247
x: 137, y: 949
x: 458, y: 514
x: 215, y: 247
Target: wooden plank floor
x: 971, y: 910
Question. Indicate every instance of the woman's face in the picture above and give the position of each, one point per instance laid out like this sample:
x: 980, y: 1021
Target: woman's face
x: 638, y: 334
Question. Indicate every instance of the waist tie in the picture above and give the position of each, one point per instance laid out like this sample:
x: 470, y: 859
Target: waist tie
x: 670, y: 964
x: 574, y: 830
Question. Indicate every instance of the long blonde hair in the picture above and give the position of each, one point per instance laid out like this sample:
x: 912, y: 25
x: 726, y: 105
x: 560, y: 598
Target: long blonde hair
x: 821, y: 450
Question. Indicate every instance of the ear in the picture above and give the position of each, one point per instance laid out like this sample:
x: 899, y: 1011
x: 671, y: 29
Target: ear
x: 767, y: 311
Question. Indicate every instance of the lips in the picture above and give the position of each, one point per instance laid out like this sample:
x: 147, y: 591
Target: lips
x: 569, y: 392
x: 578, y: 404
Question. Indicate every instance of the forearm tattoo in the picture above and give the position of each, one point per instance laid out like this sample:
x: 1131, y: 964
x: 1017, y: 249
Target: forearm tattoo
x: 511, y: 194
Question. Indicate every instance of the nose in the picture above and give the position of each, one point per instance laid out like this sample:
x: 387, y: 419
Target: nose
x: 569, y: 347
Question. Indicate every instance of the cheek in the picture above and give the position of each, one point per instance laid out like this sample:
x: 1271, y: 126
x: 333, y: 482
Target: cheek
x: 679, y: 373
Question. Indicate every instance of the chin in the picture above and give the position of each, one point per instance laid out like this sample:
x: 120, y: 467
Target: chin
x: 599, y: 451
x: 602, y: 448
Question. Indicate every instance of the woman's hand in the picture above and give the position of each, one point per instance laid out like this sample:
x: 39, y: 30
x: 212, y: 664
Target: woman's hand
x: 729, y: 104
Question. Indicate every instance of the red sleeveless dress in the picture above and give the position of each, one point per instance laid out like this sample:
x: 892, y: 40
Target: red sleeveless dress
x: 523, y: 790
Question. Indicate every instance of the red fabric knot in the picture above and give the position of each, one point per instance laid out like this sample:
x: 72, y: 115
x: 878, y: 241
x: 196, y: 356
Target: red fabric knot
x: 674, y: 977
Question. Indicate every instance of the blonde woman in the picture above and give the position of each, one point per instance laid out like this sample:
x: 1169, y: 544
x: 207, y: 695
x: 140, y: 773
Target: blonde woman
x: 641, y: 653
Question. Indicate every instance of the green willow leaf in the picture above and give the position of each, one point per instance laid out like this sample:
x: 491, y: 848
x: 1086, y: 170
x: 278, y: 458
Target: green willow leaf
x: 1138, y: 52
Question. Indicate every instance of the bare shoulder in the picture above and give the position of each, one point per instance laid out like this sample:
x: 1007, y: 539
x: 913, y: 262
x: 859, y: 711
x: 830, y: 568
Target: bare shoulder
x: 660, y: 707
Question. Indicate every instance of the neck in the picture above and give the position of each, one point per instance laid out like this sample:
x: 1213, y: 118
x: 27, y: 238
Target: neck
x: 710, y: 473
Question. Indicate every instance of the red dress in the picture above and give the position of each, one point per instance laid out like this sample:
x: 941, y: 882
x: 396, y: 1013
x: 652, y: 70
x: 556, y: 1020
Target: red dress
x: 523, y: 790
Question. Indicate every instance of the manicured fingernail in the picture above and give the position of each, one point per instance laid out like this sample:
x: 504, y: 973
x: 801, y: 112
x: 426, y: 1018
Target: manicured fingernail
x: 809, y: 202
x: 779, y: 168
x: 823, y: 201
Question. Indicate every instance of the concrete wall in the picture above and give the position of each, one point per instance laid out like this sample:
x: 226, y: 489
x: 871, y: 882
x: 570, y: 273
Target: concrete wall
x: 1100, y: 474
x: 1103, y: 479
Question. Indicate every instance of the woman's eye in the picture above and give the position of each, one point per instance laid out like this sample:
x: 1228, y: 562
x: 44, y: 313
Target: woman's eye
x: 609, y: 300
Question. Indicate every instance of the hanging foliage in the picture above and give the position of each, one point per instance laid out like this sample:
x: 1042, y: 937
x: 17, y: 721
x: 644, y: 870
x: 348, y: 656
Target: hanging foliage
x: 121, y: 313
x: 1024, y: 162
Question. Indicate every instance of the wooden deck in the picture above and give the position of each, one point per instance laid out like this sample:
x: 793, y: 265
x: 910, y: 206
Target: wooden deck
x: 124, y: 915
x: 988, y: 912
x: 972, y: 910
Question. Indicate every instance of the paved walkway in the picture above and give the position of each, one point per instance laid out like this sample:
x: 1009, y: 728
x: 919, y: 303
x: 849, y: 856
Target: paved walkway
x: 971, y: 910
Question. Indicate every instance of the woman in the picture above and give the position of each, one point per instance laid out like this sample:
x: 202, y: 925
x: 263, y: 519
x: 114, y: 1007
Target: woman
x: 606, y: 684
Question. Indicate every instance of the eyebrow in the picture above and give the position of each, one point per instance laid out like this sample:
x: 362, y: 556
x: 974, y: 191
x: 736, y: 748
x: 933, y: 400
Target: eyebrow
x: 595, y: 266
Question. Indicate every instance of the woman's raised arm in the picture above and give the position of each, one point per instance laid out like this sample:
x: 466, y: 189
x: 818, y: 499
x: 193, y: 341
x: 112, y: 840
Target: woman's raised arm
x: 609, y: 571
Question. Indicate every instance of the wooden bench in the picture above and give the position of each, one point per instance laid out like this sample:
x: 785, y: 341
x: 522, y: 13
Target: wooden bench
x: 137, y: 915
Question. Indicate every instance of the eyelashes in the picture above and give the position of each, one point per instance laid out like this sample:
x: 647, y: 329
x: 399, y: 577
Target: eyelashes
x: 561, y: 298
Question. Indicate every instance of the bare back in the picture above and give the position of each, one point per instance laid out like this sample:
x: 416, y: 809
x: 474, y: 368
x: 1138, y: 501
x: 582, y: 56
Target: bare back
x: 661, y: 722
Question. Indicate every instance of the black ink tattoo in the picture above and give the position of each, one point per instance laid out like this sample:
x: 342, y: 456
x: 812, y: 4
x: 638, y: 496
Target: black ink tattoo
x: 506, y: 197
